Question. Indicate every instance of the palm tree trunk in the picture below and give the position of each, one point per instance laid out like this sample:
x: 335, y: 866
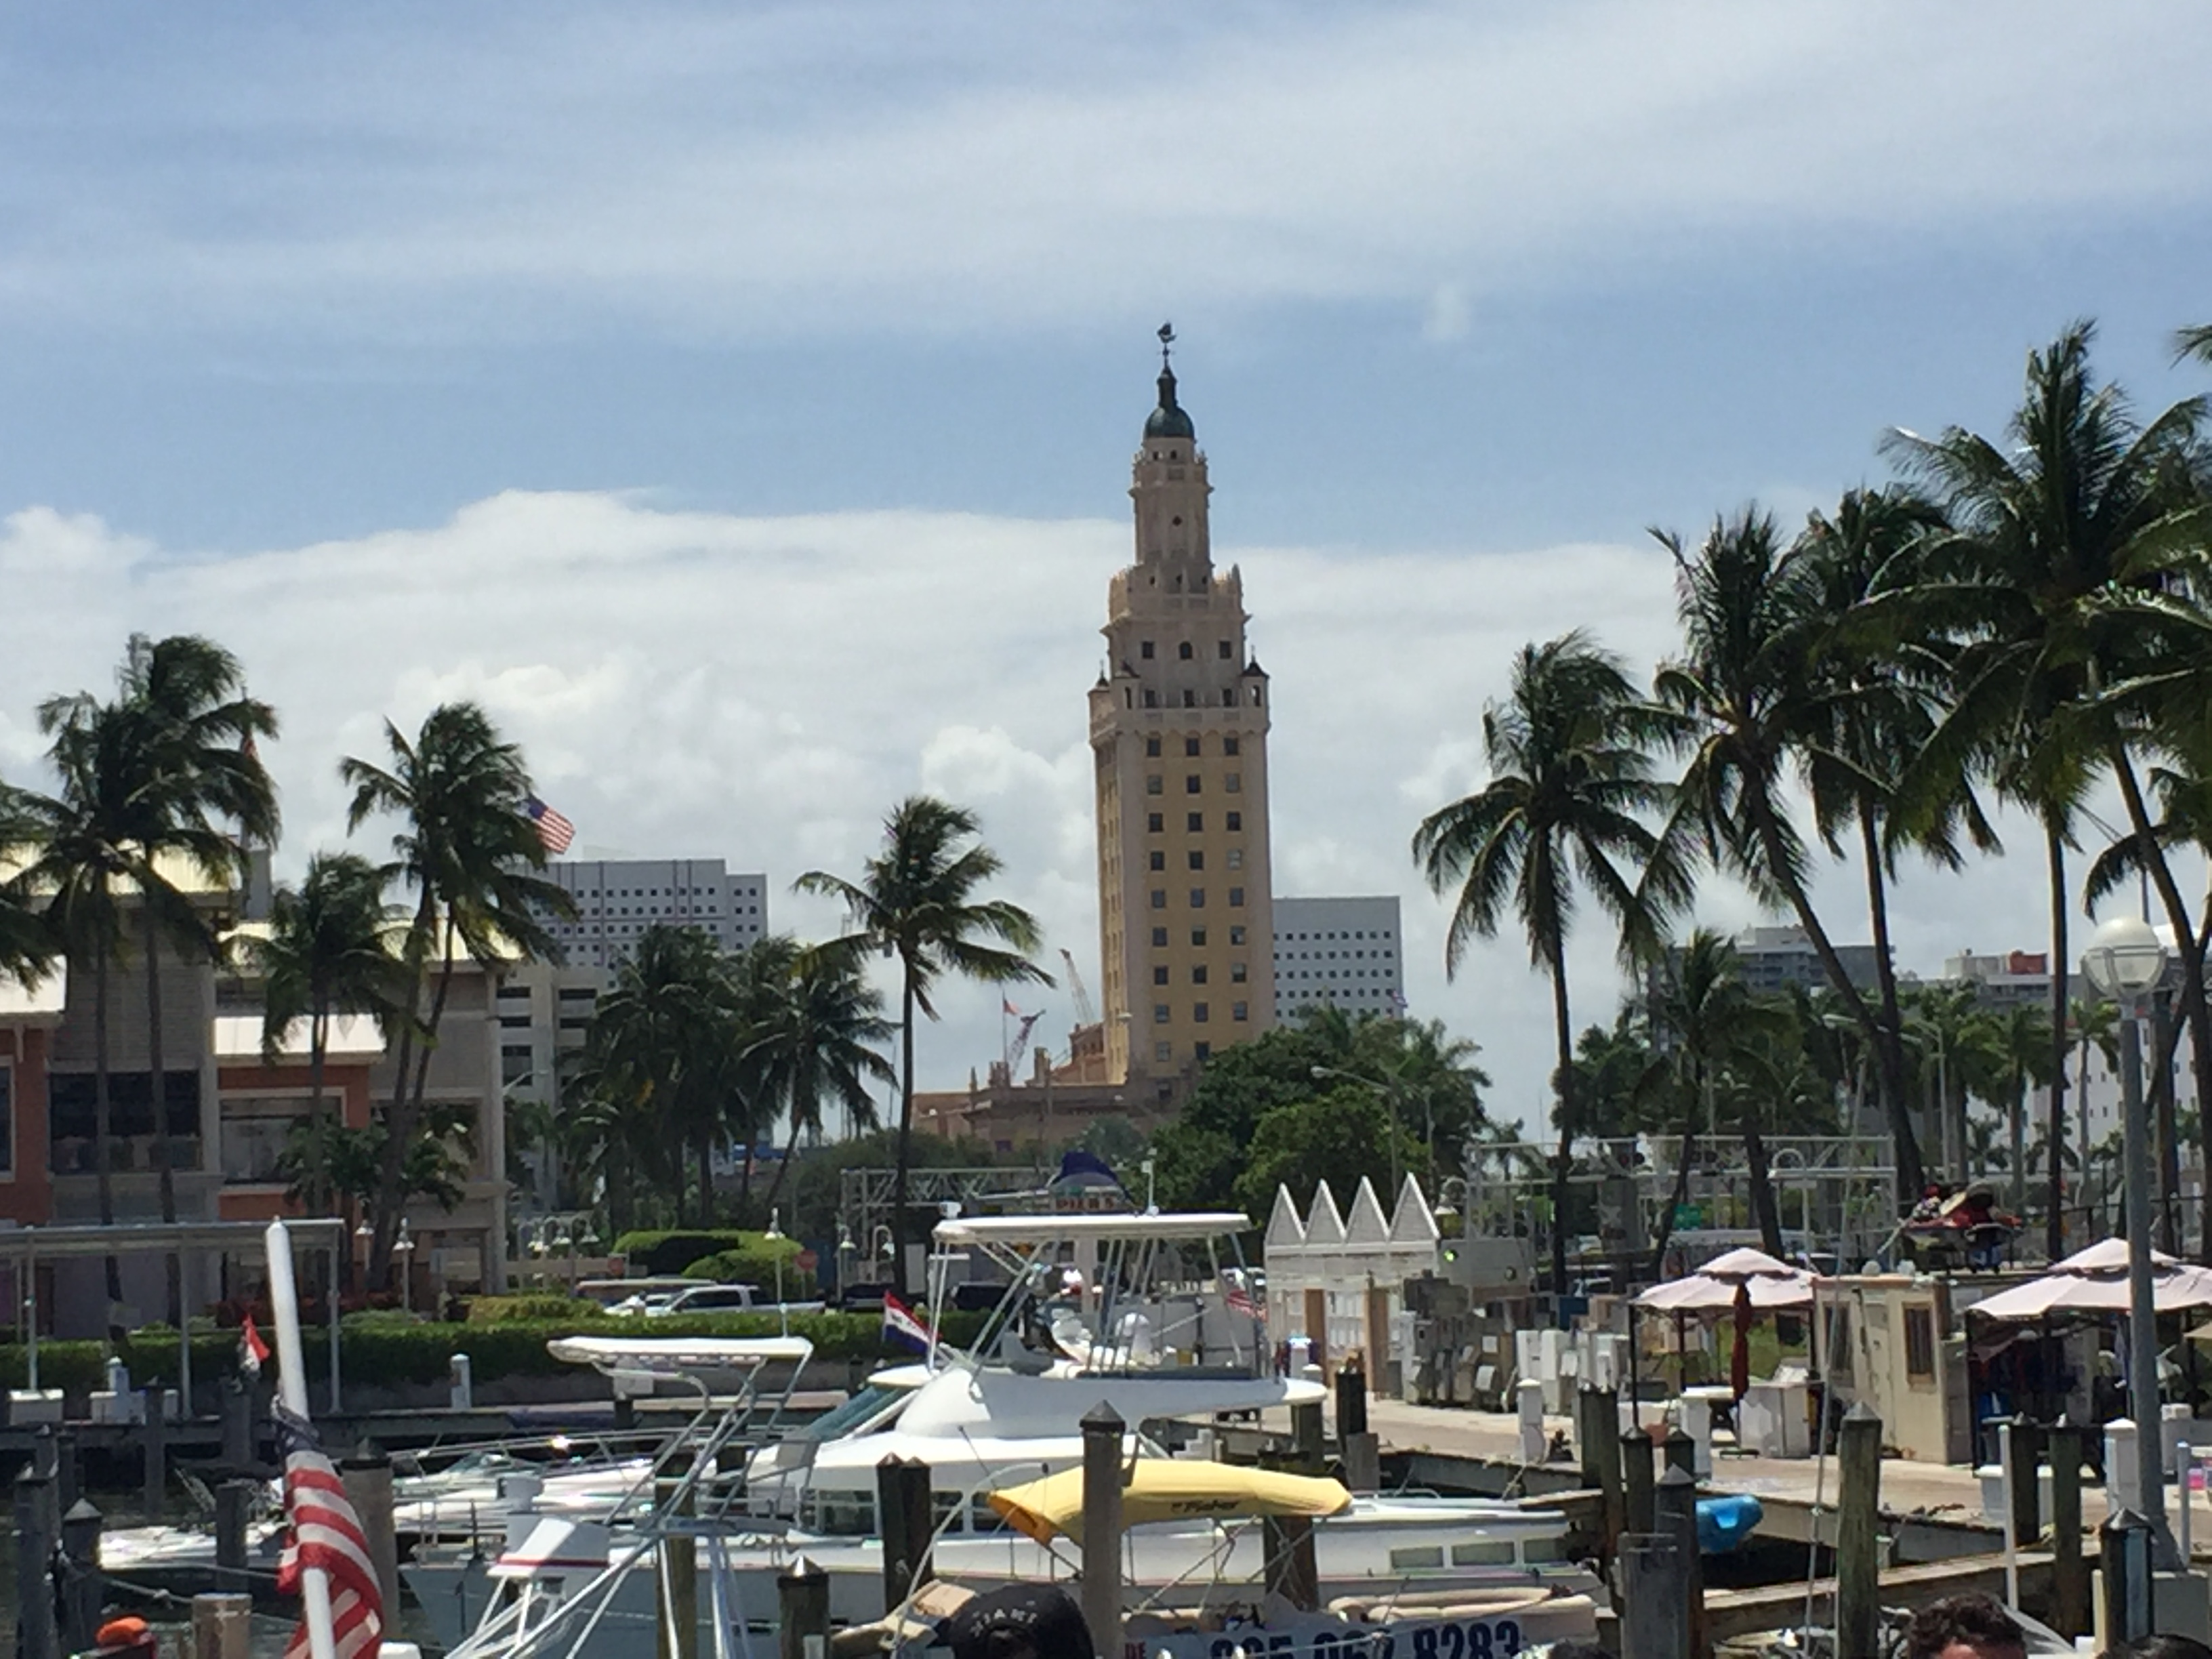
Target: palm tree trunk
x: 425, y: 915
x: 2193, y: 1002
x: 1686, y: 1156
x: 1563, y: 1082
x: 790, y: 1151
x: 1889, y: 1042
x: 319, y: 1038
x: 1890, y: 1065
x: 905, y: 1130
x: 2172, y: 1041
x: 157, y: 1062
x: 1763, y: 1207
x: 399, y: 1132
x: 2054, y: 1232
x: 707, y: 1178
x: 102, y: 1137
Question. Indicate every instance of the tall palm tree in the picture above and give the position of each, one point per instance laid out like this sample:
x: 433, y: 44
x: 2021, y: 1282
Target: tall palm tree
x: 1570, y: 776
x: 2007, y: 1052
x: 665, y: 1027
x: 469, y: 847
x: 26, y: 947
x: 328, y: 951
x: 818, y: 1040
x: 1749, y: 711
x: 917, y: 901
x: 2070, y: 538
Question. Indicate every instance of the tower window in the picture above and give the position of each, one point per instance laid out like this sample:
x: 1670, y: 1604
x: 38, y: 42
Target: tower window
x: 1197, y: 898
x: 1190, y: 745
x: 1198, y: 937
x: 1239, y: 1011
x: 1236, y: 972
x: 1159, y: 936
x: 1221, y: 649
x: 1236, y: 898
x: 1160, y: 1013
x: 1236, y: 858
x: 1201, y: 1050
x: 1228, y: 743
x: 1198, y: 1012
x: 1229, y: 696
x: 1159, y: 975
x: 1156, y: 822
x: 1151, y: 748
x: 1182, y: 651
x: 1151, y: 698
x: 1159, y: 898
x: 1237, y: 934
x: 1155, y: 784
x: 1194, y: 823
x: 1163, y: 1052
x: 1197, y: 858
x: 1145, y: 649
x: 1234, y: 783
x: 1190, y: 699
x: 1197, y: 975
x: 1235, y: 820
x: 1191, y: 783
x: 1255, y: 696
x: 1160, y: 860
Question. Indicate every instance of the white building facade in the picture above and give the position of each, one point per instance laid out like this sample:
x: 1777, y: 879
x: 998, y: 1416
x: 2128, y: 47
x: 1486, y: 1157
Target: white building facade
x: 617, y: 900
x: 1345, y: 953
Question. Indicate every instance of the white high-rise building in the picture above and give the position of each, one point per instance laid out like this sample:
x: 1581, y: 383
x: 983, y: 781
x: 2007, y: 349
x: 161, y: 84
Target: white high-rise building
x: 617, y: 900
x: 1342, y: 952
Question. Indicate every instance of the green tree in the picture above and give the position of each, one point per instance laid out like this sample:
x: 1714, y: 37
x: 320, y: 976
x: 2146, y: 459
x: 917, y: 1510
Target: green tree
x: 328, y: 951
x: 1749, y: 711
x: 1342, y: 1137
x: 27, y: 945
x: 469, y: 849
x: 2072, y: 537
x: 816, y: 1042
x: 1569, y: 777
x: 2008, y: 1052
x: 917, y: 901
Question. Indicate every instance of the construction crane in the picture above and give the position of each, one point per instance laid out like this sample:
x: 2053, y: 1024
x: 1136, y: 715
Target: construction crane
x: 1085, y: 1013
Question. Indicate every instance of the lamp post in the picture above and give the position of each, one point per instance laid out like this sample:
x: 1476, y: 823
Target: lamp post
x: 2123, y: 959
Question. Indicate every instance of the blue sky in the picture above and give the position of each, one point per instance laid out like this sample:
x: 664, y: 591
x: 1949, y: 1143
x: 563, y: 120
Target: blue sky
x: 782, y: 318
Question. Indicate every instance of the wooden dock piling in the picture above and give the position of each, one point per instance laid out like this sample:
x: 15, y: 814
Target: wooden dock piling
x: 82, y: 1524
x: 1858, y: 1519
x: 1638, y: 1481
x: 802, y: 1599
x: 1655, y: 1597
x: 678, y: 1575
x: 156, y: 1442
x: 37, y: 1531
x: 367, y: 1477
x: 222, y: 1625
x: 1102, y: 1528
x: 2069, y: 1570
x: 905, y: 1520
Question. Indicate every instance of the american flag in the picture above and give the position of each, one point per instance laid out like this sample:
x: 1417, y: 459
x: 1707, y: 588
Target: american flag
x: 555, y: 831
x: 1239, y: 1300
x: 324, y: 1532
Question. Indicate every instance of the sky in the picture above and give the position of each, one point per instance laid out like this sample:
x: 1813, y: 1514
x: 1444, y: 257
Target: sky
x: 738, y: 401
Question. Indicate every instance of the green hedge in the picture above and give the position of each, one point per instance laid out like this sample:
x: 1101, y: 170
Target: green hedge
x: 756, y: 1264
x: 661, y: 1254
x: 389, y: 1348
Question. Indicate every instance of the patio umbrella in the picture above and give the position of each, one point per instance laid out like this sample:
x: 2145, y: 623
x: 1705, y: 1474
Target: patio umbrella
x: 1714, y: 1287
x: 2095, y: 1280
x: 1739, y: 1355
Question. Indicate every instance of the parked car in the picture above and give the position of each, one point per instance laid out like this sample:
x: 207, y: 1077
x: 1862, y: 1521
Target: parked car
x: 724, y: 1298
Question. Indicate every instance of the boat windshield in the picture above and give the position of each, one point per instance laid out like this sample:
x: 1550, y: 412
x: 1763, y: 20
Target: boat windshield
x: 863, y: 1412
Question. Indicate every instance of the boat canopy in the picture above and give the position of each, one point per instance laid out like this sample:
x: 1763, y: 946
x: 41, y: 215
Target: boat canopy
x: 671, y: 1355
x: 1169, y: 1489
x: 987, y: 1229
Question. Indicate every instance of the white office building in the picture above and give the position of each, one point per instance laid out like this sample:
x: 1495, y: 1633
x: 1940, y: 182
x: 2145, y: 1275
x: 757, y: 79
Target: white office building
x: 1340, y: 952
x: 617, y: 900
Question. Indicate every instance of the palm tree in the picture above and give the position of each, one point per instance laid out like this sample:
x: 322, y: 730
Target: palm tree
x: 665, y: 1028
x: 1748, y: 709
x: 818, y: 1041
x: 328, y: 951
x: 1938, y: 1025
x: 26, y: 947
x: 470, y: 849
x: 2008, y: 1052
x: 1570, y: 775
x: 2069, y: 540
x: 916, y: 900
x: 2093, y: 1023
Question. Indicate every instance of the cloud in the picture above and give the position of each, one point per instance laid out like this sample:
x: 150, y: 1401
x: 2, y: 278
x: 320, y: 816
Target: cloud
x: 518, y: 172
x: 763, y: 689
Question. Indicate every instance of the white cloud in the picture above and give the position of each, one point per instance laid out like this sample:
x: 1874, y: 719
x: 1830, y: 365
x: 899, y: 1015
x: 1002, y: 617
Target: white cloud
x: 762, y: 690
x: 826, y: 167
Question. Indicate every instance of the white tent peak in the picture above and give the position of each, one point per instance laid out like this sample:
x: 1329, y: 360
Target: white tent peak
x: 1284, y: 1229
x: 1368, y: 1225
x: 1324, y: 1221
x: 1415, y: 1223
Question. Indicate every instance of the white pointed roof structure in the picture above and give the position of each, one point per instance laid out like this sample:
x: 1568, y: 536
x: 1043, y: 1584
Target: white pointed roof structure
x: 1414, y: 1223
x: 1324, y: 1221
x: 1284, y: 1229
x: 1367, y: 1225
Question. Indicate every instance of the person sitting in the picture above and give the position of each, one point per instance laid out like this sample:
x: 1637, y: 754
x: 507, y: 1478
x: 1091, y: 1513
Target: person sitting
x: 1964, y: 1627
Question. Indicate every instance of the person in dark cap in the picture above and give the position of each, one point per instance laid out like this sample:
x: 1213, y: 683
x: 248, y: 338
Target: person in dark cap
x: 1020, y: 1621
x: 1964, y: 1627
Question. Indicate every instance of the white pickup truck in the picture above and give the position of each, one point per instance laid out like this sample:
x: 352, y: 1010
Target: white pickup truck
x: 716, y: 1298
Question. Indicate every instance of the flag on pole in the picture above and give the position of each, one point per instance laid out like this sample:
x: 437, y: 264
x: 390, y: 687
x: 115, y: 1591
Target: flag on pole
x: 902, y: 1325
x: 555, y: 831
x: 252, y: 1350
x: 1240, y: 1299
x: 1006, y: 1007
x: 323, y: 1532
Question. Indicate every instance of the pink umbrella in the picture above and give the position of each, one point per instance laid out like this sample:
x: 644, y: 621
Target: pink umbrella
x: 1715, y: 1286
x: 2095, y: 1280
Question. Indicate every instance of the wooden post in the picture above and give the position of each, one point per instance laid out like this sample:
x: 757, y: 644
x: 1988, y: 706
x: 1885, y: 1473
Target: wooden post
x: 1654, y: 1596
x: 221, y: 1626
x: 1102, y: 1528
x: 1351, y: 1400
x: 2124, y: 1547
x: 1681, y: 1451
x: 802, y: 1600
x: 37, y: 1527
x: 236, y: 1405
x: 367, y: 1477
x: 1587, y: 1435
x: 1858, y: 1605
x: 81, y: 1528
x: 45, y: 1452
x: 2069, y: 1590
x: 1675, y: 1506
x: 2025, y: 1446
x: 1306, y: 1437
x: 905, y: 1520
x: 157, y: 1454
x: 1293, y: 1572
x: 1605, y: 1429
x: 69, y: 1472
x: 1638, y: 1480
x: 233, y: 1501
x: 678, y: 1577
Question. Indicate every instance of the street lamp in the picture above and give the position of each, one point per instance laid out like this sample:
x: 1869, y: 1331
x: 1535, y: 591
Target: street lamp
x: 2123, y: 959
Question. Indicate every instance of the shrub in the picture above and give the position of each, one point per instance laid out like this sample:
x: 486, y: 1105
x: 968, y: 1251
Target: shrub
x: 756, y: 1264
x: 661, y: 1254
x: 511, y: 1309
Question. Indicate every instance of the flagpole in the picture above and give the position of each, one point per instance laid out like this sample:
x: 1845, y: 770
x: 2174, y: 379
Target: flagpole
x: 292, y: 1390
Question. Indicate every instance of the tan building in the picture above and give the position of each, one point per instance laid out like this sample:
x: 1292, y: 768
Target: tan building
x: 1179, y: 736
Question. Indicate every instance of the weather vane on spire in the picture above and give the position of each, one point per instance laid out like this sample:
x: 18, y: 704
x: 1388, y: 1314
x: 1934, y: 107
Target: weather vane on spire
x: 1167, y: 339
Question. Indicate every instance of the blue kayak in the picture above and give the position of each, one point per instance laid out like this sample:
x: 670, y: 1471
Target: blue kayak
x: 1725, y: 1522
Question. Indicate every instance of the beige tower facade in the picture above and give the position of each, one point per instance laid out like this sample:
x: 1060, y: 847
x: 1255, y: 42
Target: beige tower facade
x: 1179, y: 738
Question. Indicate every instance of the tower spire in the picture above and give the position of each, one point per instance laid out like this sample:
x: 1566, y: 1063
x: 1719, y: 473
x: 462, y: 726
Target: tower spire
x: 1167, y: 339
